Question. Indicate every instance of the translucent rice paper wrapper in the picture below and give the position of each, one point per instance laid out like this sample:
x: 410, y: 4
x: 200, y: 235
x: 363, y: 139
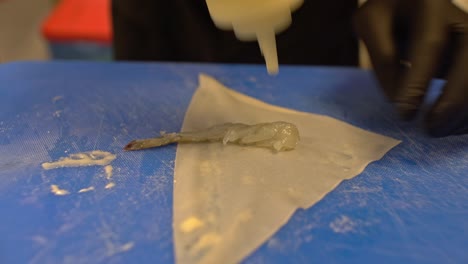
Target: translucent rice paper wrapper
x: 229, y: 199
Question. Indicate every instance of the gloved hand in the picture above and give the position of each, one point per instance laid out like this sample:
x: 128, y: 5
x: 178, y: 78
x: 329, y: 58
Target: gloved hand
x: 408, y: 41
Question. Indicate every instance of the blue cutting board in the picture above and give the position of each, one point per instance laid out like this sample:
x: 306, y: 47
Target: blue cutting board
x: 409, y: 207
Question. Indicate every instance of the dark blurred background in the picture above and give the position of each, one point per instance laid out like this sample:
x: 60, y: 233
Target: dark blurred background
x: 67, y: 29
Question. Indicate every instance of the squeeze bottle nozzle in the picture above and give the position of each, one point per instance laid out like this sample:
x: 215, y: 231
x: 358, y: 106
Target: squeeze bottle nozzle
x: 257, y: 20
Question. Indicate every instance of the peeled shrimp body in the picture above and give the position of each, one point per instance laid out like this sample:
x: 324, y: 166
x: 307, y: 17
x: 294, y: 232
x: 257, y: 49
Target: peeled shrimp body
x: 279, y: 136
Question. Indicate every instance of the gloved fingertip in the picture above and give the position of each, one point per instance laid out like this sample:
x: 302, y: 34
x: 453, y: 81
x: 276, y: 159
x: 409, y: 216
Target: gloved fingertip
x: 446, y: 119
x: 437, y: 132
x: 444, y: 130
x: 407, y: 111
x: 408, y: 100
x: 438, y: 125
x: 461, y: 131
x: 435, y: 125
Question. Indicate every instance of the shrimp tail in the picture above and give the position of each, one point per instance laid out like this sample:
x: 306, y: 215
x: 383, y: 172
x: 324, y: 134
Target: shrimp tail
x: 166, y: 139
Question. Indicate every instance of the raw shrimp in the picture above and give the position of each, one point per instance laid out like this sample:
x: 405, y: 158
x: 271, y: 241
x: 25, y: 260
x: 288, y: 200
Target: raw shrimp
x: 279, y: 136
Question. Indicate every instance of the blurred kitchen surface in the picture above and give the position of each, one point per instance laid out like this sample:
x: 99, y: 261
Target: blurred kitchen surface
x: 20, y: 24
x: 55, y: 29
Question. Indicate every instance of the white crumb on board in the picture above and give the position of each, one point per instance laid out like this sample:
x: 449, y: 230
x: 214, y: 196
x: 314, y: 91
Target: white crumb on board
x: 40, y: 240
x: 127, y: 246
x: 57, y: 191
x: 91, y: 188
x: 92, y: 158
x: 110, y: 185
x: 342, y: 225
x: 190, y: 224
x: 108, y: 169
x: 57, y: 98
x: 113, y: 249
x: 57, y: 113
x: 274, y: 243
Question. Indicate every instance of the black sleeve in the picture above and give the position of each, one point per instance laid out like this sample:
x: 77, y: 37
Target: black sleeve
x: 139, y: 28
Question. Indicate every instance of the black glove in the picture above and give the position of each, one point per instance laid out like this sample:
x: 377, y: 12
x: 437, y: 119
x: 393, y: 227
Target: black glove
x: 408, y: 41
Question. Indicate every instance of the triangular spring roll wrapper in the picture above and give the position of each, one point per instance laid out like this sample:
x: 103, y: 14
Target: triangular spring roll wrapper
x: 229, y: 199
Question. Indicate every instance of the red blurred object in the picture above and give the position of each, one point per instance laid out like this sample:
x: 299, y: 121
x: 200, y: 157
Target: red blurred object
x: 79, y: 20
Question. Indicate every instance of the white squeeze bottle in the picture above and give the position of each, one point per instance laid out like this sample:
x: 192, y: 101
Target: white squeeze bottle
x: 255, y: 20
